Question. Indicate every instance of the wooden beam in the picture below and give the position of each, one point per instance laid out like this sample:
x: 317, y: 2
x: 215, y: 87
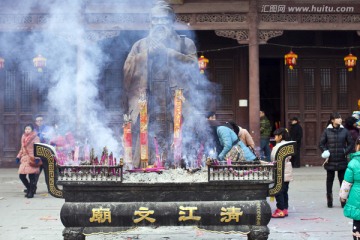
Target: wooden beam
x: 309, y: 26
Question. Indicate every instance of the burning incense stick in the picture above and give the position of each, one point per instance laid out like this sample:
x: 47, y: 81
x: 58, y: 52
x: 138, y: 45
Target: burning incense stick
x: 178, y: 100
x: 127, y: 141
x: 144, y: 148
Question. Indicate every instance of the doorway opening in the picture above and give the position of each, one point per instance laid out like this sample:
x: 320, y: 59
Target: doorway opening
x: 271, y: 90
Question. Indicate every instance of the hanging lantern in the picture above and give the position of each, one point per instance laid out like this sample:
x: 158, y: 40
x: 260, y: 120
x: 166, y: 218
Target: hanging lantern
x: 290, y: 59
x: 203, y: 61
x: 39, y: 62
x: 350, y: 61
x: 2, y: 61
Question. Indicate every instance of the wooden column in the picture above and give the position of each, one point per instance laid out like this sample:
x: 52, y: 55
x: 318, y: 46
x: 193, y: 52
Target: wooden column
x: 254, y: 88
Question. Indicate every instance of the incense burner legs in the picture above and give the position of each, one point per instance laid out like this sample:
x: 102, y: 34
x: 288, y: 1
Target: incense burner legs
x: 73, y: 233
x: 259, y: 233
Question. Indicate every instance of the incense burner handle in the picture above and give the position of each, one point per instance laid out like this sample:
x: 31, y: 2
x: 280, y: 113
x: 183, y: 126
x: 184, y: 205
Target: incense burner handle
x: 47, y: 154
x: 282, y: 152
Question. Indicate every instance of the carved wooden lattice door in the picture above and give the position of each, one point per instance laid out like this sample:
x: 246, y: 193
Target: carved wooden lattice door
x: 21, y: 98
x: 222, y: 73
x: 313, y: 90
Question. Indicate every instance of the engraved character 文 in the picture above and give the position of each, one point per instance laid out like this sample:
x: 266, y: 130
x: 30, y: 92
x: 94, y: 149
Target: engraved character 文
x: 144, y: 214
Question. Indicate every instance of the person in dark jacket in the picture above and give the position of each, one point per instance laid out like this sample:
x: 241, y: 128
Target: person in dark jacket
x: 296, y: 133
x: 350, y: 125
x: 44, y: 133
x: 336, y: 143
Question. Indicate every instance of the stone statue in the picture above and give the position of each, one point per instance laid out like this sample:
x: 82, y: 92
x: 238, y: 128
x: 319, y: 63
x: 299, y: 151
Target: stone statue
x: 157, y: 65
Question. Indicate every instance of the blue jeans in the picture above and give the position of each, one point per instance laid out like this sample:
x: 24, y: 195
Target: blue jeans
x: 264, y: 146
x: 282, y: 198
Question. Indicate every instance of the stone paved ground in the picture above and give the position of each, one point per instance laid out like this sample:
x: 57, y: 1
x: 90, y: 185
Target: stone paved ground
x: 309, y: 218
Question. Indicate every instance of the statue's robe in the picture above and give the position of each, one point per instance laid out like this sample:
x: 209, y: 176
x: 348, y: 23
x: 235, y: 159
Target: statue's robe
x: 157, y: 73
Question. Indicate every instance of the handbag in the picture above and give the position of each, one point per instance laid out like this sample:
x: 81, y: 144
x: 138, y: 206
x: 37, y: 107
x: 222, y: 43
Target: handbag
x: 33, y: 163
x: 32, y: 159
x: 236, y: 154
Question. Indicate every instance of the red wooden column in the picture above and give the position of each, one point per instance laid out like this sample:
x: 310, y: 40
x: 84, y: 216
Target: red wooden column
x: 254, y: 89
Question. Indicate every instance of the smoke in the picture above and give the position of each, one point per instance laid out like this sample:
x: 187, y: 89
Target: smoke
x: 75, y: 67
x: 75, y: 93
x: 73, y: 71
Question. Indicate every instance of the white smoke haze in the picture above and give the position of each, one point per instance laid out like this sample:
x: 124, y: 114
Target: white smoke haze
x: 81, y: 106
x: 75, y: 66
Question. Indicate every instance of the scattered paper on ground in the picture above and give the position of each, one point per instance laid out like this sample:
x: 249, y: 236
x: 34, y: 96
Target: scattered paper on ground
x: 47, y: 218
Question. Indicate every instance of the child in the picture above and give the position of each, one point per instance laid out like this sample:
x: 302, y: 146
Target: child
x: 282, y: 199
x: 351, y: 187
x: 24, y: 157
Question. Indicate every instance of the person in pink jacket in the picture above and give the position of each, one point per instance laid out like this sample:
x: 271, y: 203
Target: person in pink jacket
x: 25, y: 156
x: 246, y: 138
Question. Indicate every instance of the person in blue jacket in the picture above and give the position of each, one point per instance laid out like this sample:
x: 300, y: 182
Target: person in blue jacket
x: 228, y: 137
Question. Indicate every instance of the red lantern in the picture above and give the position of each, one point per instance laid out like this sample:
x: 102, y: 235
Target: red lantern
x: 39, y: 62
x: 350, y: 61
x: 290, y: 59
x: 2, y: 61
x: 203, y: 61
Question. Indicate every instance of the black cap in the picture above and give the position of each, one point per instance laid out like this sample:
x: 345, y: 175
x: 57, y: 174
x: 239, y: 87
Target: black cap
x: 294, y: 118
x: 209, y: 114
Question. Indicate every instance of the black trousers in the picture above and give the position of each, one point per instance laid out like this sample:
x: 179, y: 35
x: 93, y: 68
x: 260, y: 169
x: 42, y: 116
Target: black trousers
x: 25, y: 181
x: 330, y: 179
x: 282, y: 198
x: 356, y: 228
x: 295, y: 160
x: 38, y: 175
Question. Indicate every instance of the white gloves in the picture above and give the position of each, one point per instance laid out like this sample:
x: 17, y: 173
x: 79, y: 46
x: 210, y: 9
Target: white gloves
x: 325, y: 154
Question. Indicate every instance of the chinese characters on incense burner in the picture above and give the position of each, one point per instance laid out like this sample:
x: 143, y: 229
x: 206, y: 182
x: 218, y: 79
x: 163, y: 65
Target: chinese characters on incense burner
x: 146, y: 215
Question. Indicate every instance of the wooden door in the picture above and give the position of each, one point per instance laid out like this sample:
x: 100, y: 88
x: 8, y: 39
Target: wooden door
x: 228, y: 70
x: 22, y: 99
x: 313, y: 90
x: 24, y: 95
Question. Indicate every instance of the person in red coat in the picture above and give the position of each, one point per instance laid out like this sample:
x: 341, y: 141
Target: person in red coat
x: 24, y: 157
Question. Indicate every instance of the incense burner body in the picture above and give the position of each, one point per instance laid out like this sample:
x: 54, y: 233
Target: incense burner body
x: 98, y: 200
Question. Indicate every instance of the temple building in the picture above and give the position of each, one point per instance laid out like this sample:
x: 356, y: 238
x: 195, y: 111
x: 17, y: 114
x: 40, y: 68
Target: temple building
x: 244, y: 40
